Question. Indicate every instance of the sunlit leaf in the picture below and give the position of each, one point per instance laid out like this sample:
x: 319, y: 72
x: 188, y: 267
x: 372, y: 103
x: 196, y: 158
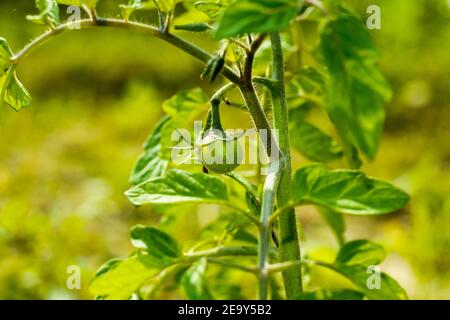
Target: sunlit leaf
x: 336, y: 223
x: 135, y: 5
x: 183, y: 108
x: 255, y: 16
x: 150, y: 164
x: 310, y: 81
x: 185, y: 102
x: 165, y: 5
x: 194, y: 281
x: 357, y: 89
x: 156, y: 242
x: 346, y: 191
x: 5, y: 55
x: 360, y: 276
x: 360, y: 252
x: 313, y: 143
x: 179, y: 187
x: 12, y: 90
x: 89, y: 3
x: 48, y: 12
x: 211, y: 8
x: 119, y: 279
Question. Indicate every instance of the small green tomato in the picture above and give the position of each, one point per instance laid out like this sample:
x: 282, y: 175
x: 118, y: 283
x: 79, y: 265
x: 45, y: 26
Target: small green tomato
x: 221, y: 153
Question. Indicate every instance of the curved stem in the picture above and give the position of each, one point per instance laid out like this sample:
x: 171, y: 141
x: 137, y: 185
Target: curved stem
x: 215, y: 100
x: 176, y: 41
x: 268, y: 202
x: 254, y: 105
x: 220, y: 94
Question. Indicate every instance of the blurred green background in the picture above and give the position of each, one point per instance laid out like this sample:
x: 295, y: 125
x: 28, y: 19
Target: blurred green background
x: 65, y: 162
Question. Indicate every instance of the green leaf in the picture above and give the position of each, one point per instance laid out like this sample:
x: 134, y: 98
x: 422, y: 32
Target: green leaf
x: 313, y: 143
x: 360, y: 276
x: 213, y: 68
x: 165, y: 5
x: 346, y: 191
x: 107, y: 266
x: 150, y: 164
x: 48, y: 12
x: 135, y: 5
x: 12, y: 90
x: 91, y: 4
x: 357, y: 90
x: 336, y: 222
x: 360, y: 252
x: 339, y: 294
x: 179, y: 187
x: 309, y: 80
x: 252, y: 203
x: 157, y: 243
x: 194, y: 282
x: 183, y: 108
x: 211, y: 8
x: 255, y: 16
x: 184, y: 103
x: 5, y: 56
x: 119, y: 279
x: 193, y: 27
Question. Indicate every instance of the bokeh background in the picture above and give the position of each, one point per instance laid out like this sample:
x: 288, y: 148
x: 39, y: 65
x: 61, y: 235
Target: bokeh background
x: 65, y: 162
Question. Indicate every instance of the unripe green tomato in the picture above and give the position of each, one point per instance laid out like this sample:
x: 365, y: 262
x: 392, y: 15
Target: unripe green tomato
x: 222, y: 155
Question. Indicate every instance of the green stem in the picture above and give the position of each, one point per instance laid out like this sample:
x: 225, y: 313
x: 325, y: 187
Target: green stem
x: 257, y: 113
x: 277, y: 213
x: 216, y: 123
x: 220, y: 94
x: 268, y: 202
x: 176, y: 41
x: 223, y: 251
x: 216, y: 99
x: 229, y: 264
x: 289, y: 248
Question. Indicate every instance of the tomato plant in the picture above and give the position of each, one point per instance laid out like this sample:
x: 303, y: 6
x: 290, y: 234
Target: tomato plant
x: 260, y: 53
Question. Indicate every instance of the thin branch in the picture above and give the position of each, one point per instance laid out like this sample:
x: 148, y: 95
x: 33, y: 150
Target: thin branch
x: 223, y: 251
x: 176, y: 41
x: 229, y: 264
x: 254, y: 105
x: 277, y: 213
x: 257, y: 42
x: 220, y: 94
x: 283, y: 266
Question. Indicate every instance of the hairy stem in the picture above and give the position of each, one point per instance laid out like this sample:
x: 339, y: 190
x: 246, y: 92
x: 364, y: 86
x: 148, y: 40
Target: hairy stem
x: 215, y: 100
x: 268, y: 202
x: 176, y: 41
x: 289, y: 248
x: 254, y: 105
